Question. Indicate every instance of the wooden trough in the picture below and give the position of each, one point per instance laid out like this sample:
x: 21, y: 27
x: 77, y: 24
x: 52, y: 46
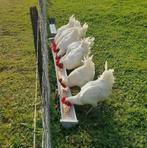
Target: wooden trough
x: 67, y: 119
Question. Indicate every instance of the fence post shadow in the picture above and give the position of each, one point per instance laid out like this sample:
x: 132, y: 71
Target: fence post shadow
x: 37, y: 41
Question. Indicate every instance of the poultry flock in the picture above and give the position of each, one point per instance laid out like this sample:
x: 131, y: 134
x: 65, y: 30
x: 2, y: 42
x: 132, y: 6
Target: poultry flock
x: 74, y: 54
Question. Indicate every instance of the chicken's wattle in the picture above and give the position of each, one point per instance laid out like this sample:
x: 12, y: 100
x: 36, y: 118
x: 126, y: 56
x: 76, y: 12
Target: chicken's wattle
x: 54, y: 46
x: 57, y: 57
x: 60, y: 65
x: 64, y: 101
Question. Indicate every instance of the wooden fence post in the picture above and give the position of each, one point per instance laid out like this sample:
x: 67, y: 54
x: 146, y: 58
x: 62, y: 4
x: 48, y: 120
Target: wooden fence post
x: 45, y: 91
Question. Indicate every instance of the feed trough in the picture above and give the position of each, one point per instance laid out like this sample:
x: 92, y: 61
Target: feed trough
x: 68, y: 119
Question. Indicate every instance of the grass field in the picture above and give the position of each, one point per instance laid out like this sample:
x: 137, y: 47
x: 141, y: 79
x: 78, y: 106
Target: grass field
x: 17, y: 74
x: 120, y: 29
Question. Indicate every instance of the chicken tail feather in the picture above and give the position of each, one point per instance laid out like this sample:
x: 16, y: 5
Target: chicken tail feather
x: 106, y: 65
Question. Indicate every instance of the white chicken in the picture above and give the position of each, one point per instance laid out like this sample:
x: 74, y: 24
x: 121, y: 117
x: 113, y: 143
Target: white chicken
x: 94, y: 91
x: 72, y: 22
x: 74, y: 58
x: 77, y: 44
x: 73, y: 34
x: 72, y: 46
x: 76, y: 24
x: 81, y: 75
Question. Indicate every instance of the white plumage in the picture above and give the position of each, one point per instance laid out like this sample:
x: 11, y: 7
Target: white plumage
x: 72, y: 34
x: 72, y: 46
x: 94, y: 91
x: 67, y: 31
x: 82, y: 74
x: 74, y: 58
x: 72, y: 22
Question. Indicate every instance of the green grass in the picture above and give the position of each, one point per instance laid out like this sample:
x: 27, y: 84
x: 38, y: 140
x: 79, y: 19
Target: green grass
x: 120, y: 30
x: 17, y: 75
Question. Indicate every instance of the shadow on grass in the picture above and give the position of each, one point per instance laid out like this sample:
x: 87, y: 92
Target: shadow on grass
x: 97, y: 130
x: 37, y: 41
x: 100, y: 125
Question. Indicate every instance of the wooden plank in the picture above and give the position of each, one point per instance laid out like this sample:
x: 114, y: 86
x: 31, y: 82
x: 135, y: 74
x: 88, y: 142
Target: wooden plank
x: 45, y: 78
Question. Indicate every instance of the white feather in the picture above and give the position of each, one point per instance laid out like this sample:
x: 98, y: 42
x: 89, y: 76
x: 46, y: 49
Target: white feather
x: 82, y: 74
x: 71, y: 35
x: 74, y: 58
x: 64, y: 29
x: 95, y: 91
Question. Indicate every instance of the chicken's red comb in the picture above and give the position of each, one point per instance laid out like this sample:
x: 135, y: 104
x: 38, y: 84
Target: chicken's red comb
x: 60, y: 65
x: 63, y: 100
x: 57, y: 61
x: 54, y: 46
x: 57, y: 57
